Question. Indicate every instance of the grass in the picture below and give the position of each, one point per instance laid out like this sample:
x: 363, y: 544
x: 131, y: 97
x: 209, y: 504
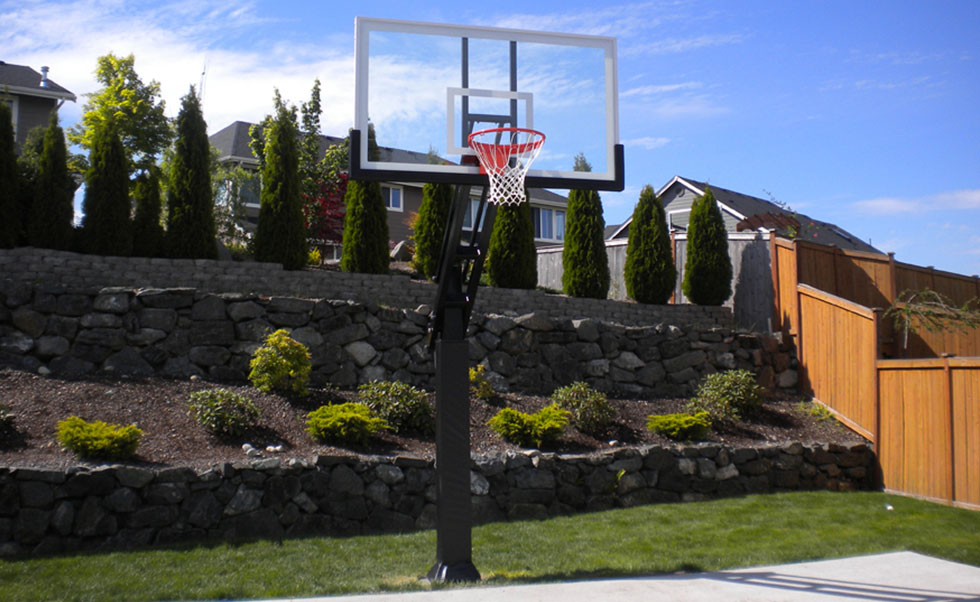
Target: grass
x: 704, y: 536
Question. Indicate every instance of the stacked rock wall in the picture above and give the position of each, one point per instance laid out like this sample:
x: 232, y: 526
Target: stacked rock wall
x: 183, y: 332
x: 123, y: 506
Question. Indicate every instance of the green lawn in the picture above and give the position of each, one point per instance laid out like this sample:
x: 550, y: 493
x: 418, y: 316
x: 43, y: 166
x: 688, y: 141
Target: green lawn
x: 722, y: 534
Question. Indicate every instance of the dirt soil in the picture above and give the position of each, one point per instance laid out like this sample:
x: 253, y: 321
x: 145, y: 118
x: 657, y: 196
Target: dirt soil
x: 158, y: 406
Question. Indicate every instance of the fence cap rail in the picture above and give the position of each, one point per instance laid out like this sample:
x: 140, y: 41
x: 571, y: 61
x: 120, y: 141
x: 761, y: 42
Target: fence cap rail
x: 857, y: 308
x: 929, y: 363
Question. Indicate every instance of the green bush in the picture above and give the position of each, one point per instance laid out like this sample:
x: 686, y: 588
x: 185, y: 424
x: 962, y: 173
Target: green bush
x: 480, y: 386
x: 346, y: 423
x: 282, y: 364
x: 402, y: 406
x: 223, y: 412
x: 540, y: 429
x: 429, y: 227
x: 365, y: 241
x: 589, y: 409
x: 512, y: 257
x: 726, y: 396
x: 681, y: 427
x: 650, y: 273
x: 98, y: 440
x: 586, y: 266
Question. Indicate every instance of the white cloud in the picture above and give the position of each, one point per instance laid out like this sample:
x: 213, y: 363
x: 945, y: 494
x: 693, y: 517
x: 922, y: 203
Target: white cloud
x: 944, y: 201
x: 690, y: 106
x: 622, y: 21
x: 653, y: 90
x: 647, y: 142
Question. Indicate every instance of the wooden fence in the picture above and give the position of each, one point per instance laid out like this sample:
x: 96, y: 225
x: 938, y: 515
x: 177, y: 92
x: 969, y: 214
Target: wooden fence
x: 923, y: 415
x: 872, y: 280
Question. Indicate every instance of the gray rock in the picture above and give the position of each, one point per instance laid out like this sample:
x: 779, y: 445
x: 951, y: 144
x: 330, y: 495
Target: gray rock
x: 132, y: 476
x: 63, y: 519
x: 123, y: 499
x: 245, y: 500
x: 50, y: 346
x: 361, y: 352
x: 245, y: 310
x: 210, y: 355
x: 210, y: 307
x: 203, y: 510
x: 307, y: 336
x: 173, y: 298
x: 93, y: 520
x: 145, y: 336
x: 165, y: 493
x: 586, y: 330
x: 290, y: 305
x: 158, y: 319
x: 344, y: 480
x: 305, y: 503
x: 29, y: 322
x: 116, y: 303
x: 390, y: 475
x: 498, y: 325
x: 34, y: 494
x: 30, y: 525
x: 628, y: 360
x: 378, y: 493
x: 536, y: 321
x: 128, y: 361
x: 101, y: 320
x: 479, y: 485
x: 214, y: 332
x: 74, y: 305
x: 788, y: 379
x: 17, y: 343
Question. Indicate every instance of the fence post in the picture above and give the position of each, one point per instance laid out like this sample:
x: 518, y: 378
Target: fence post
x: 777, y: 323
x: 950, y: 451
x: 795, y: 329
x: 876, y: 395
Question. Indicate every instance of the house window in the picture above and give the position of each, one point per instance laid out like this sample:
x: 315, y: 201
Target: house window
x: 549, y: 224
x: 470, y: 212
x: 392, y: 196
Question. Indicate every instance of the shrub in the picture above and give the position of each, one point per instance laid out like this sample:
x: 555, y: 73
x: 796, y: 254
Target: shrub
x: 708, y: 268
x: 365, y: 239
x: 282, y: 364
x: 9, y: 181
x: 314, y: 257
x: 344, y: 423
x: 589, y: 409
x: 51, y: 212
x: 148, y: 234
x: 512, y: 258
x: 681, y: 427
x: 223, y: 412
x: 540, y: 429
x: 650, y: 273
x: 429, y: 227
x: 727, y: 395
x: 98, y: 440
x: 402, y: 406
x: 821, y: 413
x: 480, y: 386
x: 586, y: 265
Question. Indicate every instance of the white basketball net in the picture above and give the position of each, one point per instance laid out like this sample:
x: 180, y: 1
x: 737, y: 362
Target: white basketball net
x: 505, y: 155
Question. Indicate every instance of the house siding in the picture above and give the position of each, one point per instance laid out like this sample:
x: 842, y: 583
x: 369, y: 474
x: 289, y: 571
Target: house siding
x: 31, y: 112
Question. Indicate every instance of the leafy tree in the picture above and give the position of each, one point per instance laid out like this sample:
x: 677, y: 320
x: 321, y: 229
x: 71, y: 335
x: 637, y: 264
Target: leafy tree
x: 135, y: 110
x: 585, y: 263
x: 512, y: 257
x: 708, y: 269
x: 430, y: 227
x: 281, y: 236
x: 9, y: 181
x: 323, y: 182
x: 50, y: 217
x: 106, y: 227
x: 365, y: 243
x: 650, y: 273
x: 191, y: 230
x: 148, y: 238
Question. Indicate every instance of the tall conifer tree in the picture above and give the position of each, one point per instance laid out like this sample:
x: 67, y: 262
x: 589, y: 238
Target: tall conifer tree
x: 708, y: 268
x: 9, y: 181
x: 147, y: 232
x: 49, y: 223
x: 585, y: 265
x: 107, y: 228
x: 430, y: 227
x: 512, y: 256
x: 281, y: 233
x: 365, y: 244
x: 191, y: 231
x: 650, y: 273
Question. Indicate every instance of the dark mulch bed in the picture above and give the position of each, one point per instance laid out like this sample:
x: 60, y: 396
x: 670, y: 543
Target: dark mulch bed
x: 159, y: 407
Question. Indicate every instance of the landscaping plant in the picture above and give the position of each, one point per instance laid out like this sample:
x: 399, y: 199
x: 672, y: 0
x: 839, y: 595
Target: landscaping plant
x: 726, y: 396
x: 708, y: 268
x: 51, y: 212
x: 681, y: 426
x: 589, y: 409
x: 650, y: 273
x: 512, y: 259
x: 106, y: 226
x: 9, y: 181
x: 282, y: 364
x: 402, y: 406
x: 480, y: 386
x: 223, y: 412
x: 345, y: 423
x: 540, y: 429
x: 586, y: 266
x: 98, y: 440
x: 429, y: 227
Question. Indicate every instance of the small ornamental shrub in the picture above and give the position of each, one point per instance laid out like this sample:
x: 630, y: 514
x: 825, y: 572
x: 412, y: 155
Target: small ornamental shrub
x: 540, y: 429
x: 480, y: 386
x: 223, y: 412
x: 345, y: 423
x: 681, y: 427
x: 98, y: 440
x: 402, y: 406
x: 6, y: 418
x: 590, y: 410
x: 313, y: 257
x: 726, y: 396
x: 282, y: 364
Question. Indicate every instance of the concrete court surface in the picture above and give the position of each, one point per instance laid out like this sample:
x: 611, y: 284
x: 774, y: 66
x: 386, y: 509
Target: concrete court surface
x: 901, y: 576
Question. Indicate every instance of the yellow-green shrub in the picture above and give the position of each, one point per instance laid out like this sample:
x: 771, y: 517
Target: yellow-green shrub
x: 540, y: 429
x: 682, y: 426
x: 480, y: 386
x: 98, y: 440
x: 589, y: 408
x: 282, y: 364
x: 402, y: 406
x: 727, y: 395
x: 345, y: 423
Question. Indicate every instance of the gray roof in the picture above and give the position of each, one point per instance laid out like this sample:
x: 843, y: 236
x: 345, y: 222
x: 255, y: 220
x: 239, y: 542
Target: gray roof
x: 812, y: 230
x: 21, y: 79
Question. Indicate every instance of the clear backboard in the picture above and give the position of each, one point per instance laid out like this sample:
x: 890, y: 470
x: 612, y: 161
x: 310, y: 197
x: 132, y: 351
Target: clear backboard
x: 426, y: 86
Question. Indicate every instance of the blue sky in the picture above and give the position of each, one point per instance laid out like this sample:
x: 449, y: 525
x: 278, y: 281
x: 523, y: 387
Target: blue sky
x: 864, y: 114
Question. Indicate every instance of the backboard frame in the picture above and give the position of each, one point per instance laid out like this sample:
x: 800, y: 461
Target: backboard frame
x: 361, y: 168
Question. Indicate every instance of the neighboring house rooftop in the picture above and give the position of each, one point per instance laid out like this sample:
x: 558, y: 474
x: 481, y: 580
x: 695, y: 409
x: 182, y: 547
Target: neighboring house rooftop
x: 762, y: 215
x: 25, y: 81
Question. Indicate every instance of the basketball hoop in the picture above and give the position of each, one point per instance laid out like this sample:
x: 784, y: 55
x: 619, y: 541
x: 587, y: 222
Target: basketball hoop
x: 506, y: 160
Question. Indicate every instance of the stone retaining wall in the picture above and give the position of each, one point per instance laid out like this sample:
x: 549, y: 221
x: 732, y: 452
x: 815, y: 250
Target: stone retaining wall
x: 184, y: 332
x: 79, y: 271
x: 123, y: 506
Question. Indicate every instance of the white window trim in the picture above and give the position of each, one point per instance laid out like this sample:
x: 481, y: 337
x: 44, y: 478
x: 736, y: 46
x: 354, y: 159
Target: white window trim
x: 554, y: 220
x: 401, y: 198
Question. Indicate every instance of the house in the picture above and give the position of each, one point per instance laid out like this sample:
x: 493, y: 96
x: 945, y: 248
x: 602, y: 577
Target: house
x: 402, y: 199
x: 31, y: 97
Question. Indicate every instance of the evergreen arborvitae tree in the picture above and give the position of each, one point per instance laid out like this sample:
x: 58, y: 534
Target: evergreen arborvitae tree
x: 191, y: 230
x: 512, y: 258
x: 281, y: 233
x: 430, y: 227
x: 650, y: 273
x: 49, y: 223
x: 9, y: 181
x: 147, y: 232
x: 585, y: 265
x: 365, y: 244
x: 708, y: 269
x: 106, y: 227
